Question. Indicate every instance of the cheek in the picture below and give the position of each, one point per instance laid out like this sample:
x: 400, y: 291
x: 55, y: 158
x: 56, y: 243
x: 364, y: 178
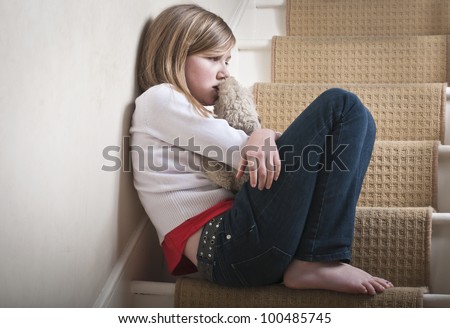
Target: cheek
x: 197, y: 76
x: 192, y: 82
x: 190, y: 70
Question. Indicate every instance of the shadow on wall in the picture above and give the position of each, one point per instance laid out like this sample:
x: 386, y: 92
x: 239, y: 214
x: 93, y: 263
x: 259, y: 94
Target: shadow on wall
x: 151, y: 259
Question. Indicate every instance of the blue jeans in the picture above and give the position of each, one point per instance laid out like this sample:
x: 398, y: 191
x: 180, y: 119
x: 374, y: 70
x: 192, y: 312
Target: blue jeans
x: 308, y: 214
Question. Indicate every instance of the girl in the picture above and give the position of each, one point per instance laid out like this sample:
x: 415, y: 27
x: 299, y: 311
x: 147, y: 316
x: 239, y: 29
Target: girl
x: 293, y: 222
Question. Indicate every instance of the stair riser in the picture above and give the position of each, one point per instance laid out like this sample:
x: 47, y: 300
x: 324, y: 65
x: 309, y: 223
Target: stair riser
x: 421, y: 59
x: 401, y: 112
x: 362, y: 17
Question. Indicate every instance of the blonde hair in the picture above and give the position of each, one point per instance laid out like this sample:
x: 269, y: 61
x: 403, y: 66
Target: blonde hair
x: 177, y: 32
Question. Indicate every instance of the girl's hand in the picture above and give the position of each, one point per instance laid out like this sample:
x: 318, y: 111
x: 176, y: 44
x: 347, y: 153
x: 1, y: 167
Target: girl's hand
x: 261, y: 156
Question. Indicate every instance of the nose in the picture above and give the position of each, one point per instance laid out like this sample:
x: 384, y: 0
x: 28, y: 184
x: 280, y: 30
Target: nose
x: 223, y: 73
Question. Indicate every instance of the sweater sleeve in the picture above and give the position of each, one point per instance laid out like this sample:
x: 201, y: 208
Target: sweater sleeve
x: 166, y: 114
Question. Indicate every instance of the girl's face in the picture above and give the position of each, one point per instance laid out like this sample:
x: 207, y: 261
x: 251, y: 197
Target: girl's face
x: 203, y: 74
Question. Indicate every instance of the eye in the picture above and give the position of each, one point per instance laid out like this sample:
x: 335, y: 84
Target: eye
x: 219, y: 58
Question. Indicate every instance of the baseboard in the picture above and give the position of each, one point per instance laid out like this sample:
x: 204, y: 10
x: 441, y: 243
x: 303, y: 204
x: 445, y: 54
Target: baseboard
x: 116, y: 291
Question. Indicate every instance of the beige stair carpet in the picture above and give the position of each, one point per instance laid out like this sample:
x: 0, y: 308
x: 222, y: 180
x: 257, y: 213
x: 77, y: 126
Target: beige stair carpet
x: 394, y: 243
x: 401, y: 111
x: 364, y: 17
x: 401, y: 174
x: 381, y: 59
x: 195, y: 293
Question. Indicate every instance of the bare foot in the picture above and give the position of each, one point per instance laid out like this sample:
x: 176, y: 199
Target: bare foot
x: 335, y: 276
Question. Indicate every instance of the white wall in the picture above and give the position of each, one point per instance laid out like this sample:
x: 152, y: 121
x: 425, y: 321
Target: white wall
x: 66, y: 92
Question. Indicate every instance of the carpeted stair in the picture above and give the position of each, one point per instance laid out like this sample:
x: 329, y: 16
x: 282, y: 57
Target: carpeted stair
x: 195, y: 293
x: 401, y: 111
x: 394, y: 56
x: 363, y: 17
x: 360, y: 59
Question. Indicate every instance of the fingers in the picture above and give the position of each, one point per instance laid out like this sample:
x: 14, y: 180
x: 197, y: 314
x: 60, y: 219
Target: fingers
x: 260, y: 156
x: 252, y: 164
x: 263, y: 169
x: 256, y: 169
x: 277, y: 166
x: 249, y: 163
x: 273, y: 170
x: 241, y: 170
x: 270, y: 177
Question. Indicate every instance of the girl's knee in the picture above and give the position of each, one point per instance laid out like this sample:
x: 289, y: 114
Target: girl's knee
x: 339, y: 100
x: 340, y: 95
x: 346, y: 99
x: 347, y: 104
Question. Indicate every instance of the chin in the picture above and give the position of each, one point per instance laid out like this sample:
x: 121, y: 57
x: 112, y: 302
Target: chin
x: 209, y: 102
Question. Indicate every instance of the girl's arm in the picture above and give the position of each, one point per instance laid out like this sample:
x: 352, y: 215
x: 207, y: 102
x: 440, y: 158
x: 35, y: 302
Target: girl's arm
x: 167, y: 115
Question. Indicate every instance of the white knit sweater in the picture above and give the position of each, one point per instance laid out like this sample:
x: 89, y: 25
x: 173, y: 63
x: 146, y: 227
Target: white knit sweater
x: 169, y: 183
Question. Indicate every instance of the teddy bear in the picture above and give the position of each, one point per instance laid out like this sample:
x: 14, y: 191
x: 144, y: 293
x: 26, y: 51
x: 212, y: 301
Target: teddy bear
x: 235, y: 105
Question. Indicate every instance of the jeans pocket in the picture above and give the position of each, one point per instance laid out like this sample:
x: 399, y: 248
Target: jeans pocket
x: 264, y: 269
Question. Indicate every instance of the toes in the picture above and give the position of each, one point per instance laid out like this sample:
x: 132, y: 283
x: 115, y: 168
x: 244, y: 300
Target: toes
x: 369, y: 288
x: 390, y: 284
x: 379, y: 288
x: 383, y: 282
x: 377, y: 285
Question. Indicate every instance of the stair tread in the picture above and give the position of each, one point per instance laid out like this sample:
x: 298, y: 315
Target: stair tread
x: 201, y: 294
